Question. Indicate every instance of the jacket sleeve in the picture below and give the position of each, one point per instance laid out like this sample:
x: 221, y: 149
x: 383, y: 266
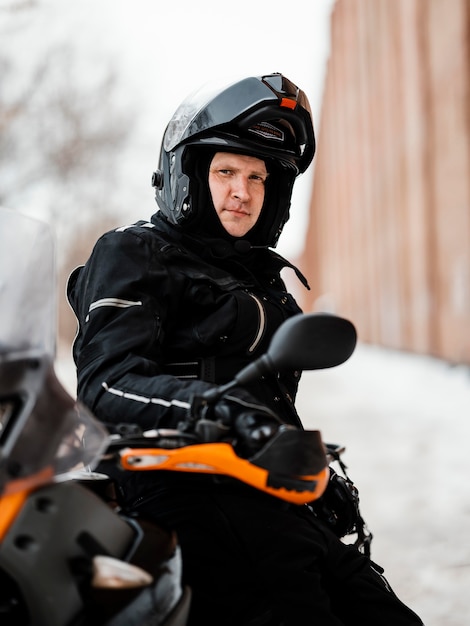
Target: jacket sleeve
x: 122, y: 299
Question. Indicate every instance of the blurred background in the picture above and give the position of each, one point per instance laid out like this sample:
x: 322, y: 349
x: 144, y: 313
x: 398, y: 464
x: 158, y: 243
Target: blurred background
x: 380, y: 225
x: 388, y: 236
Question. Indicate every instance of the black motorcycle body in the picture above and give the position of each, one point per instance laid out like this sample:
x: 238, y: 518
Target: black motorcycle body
x: 47, y: 563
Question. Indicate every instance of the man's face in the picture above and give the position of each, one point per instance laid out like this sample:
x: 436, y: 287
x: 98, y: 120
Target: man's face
x: 237, y: 185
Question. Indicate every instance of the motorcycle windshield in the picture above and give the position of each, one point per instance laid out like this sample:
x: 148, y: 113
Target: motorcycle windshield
x: 43, y: 431
x: 27, y: 290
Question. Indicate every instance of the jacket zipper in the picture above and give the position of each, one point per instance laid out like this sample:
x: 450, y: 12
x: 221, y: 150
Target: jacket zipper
x: 261, y: 324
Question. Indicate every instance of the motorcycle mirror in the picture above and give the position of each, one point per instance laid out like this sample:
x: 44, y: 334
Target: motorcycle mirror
x: 303, y: 342
x: 310, y: 342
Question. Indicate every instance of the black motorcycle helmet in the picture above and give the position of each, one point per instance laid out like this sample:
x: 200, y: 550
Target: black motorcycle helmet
x: 263, y: 116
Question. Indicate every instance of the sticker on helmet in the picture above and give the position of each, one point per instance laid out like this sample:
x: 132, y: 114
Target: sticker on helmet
x: 267, y: 131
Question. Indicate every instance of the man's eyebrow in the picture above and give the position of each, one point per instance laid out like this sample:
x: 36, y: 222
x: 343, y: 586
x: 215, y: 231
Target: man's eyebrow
x: 224, y: 165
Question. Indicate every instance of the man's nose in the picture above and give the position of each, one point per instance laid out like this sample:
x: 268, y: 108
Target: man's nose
x: 241, y: 189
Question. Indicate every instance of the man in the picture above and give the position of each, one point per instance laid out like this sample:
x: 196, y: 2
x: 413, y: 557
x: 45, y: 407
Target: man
x: 170, y: 308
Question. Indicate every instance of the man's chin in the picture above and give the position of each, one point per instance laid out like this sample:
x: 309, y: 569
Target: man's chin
x: 236, y: 230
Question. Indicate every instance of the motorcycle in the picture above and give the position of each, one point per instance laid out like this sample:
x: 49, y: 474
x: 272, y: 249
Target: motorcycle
x: 70, y: 555
x: 67, y: 558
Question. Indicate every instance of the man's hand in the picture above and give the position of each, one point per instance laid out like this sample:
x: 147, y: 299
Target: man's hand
x: 253, y: 431
x: 239, y: 416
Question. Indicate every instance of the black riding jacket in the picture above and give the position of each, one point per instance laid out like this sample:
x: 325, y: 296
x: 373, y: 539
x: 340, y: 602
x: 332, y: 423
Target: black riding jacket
x: 163, y: 315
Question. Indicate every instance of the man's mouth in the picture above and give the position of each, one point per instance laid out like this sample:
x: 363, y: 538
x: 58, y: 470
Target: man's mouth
x: 238, y: 211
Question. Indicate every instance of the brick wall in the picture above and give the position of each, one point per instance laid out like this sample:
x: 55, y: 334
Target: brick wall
x: 388, y: 241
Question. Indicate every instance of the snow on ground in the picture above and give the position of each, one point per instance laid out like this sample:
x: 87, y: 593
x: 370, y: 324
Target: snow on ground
x: 405, y: 422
